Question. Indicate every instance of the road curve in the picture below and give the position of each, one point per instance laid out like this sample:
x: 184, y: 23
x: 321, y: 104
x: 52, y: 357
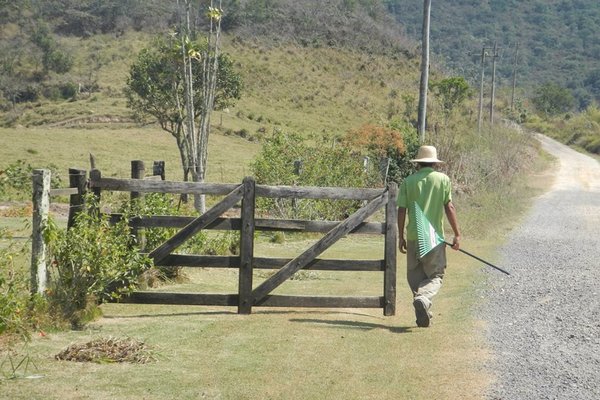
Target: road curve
x: 543, y: 322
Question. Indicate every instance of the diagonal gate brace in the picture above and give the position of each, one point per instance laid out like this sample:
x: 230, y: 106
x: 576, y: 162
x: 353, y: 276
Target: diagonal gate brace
x: 161, y: 252
x: 260, y: 292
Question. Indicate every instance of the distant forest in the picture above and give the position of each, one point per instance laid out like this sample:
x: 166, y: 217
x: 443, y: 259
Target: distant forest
x: 558, y: 39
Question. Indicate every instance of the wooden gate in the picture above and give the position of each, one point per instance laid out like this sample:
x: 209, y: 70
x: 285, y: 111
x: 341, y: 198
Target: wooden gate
x: 246, y: 193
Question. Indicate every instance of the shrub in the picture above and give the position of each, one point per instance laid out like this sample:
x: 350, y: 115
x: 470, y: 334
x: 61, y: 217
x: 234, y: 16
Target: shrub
x: 201, y: 243
x: 288, y: 159
x: 92, y: 262
x: 68, y: 90
x: 397, y: 143
x: 15, y: 180
x: 14, y: 295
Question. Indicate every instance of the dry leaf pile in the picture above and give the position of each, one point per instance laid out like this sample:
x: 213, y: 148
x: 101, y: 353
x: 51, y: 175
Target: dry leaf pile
x: 110, y: 349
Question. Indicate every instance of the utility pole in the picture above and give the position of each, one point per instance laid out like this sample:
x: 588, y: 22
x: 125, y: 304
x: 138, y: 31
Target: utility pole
x: 480, y: 113
x: 514, y: 82
x: 424, y: 71
x: 493, y: 95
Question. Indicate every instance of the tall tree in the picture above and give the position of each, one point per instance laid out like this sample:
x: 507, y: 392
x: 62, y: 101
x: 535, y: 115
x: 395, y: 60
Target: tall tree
x: 179, y: 82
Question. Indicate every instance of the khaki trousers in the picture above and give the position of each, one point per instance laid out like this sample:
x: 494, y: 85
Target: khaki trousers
x: 425, y: 275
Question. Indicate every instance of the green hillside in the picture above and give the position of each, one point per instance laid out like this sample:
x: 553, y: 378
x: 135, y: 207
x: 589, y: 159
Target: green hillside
x: 300, y: 77
x: 558, y: 40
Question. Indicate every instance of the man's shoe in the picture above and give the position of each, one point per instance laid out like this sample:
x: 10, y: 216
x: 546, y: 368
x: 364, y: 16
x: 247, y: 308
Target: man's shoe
x: 422, y: 313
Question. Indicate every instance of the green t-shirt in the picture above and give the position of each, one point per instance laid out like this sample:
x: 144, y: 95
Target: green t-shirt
x: 431, y: 190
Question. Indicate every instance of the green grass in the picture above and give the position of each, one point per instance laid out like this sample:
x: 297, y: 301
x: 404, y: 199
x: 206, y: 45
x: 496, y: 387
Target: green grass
x: 212, y: 352
x: 114, y: 150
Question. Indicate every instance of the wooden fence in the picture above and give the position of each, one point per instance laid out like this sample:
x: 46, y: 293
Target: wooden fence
x: 246, y: 193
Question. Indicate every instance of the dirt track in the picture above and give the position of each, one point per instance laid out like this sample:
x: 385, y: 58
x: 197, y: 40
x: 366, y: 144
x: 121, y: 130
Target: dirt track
x: 544, y: 320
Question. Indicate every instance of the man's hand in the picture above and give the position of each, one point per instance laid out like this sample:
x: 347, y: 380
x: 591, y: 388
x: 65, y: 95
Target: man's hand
x: 402, y: 246
x: 456, y: 243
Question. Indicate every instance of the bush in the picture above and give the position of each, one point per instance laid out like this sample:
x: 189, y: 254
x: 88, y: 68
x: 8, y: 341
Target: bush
x: 14, y: 295
x: 288, y: 159
x: 15, y: 180
x: 202, y: 243
x: 397, y: 143
x: 473, y: 162
x: 68, y: 90
x: 92, y: 262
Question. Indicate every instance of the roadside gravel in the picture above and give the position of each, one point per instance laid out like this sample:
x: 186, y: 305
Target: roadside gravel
x: 543, y: 321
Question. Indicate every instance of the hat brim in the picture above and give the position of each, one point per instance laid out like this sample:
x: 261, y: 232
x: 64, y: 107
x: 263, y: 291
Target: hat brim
x: 427, y: 160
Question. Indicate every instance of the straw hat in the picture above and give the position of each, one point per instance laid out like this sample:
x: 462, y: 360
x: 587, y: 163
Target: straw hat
x: 427, y: 154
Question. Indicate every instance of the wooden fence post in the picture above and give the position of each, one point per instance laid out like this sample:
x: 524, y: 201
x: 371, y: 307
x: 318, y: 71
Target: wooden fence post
x: 391, y: 246
x: 247, y: 247
x: 158, y: 168
x: 41, y: 206
x: 138, y: 171
x: 77, y: 178
x: 95, y: 176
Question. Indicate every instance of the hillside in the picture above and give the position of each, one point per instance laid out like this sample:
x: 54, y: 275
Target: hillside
x: 305, y: 76
x: 558, y: 40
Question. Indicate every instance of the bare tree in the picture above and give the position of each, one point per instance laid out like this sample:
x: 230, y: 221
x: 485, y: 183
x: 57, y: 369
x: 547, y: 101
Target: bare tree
x: 209, y: 56
x: 210, y: 65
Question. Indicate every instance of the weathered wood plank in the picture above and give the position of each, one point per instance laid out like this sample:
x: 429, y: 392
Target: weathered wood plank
x: 246, y: 247
x: 184, y: 260
x: 309, y: 255
x: 41, y: 206
x: 133, y: 185
x: 390, y: 251
x: 166, y: 221
x: 64, y: 191
x: 322, y: 301
x: 77, y: 179
x: 308, y: 192
x: 301, y: 192
x: 198, y: 224
x: 138, y: 171
x: 196, y: 299
x: 269, y: 301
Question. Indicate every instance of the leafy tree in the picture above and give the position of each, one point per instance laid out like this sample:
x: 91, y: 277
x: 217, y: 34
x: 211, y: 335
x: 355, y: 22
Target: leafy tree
x: 391, y: 147
x: 156, y: 88
x: 53, y: 59
x: 179, y: 82
x: 552, y: 99
x: 452, y: 92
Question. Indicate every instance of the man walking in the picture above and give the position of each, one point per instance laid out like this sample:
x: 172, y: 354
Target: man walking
x: 431, y: 191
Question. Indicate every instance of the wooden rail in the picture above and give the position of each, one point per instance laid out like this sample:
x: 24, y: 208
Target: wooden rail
x: 248, y: 295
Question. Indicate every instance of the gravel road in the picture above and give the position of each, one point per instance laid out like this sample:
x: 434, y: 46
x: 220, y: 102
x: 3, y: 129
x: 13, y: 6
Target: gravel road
x: 543, y: 321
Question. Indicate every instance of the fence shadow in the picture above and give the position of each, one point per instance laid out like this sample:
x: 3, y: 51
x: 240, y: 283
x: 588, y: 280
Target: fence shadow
x: 353, y: 324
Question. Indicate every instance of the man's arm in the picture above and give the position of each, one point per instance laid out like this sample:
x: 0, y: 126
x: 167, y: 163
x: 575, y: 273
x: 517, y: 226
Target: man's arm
x: 451, y: 215
x: 401, y: 221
